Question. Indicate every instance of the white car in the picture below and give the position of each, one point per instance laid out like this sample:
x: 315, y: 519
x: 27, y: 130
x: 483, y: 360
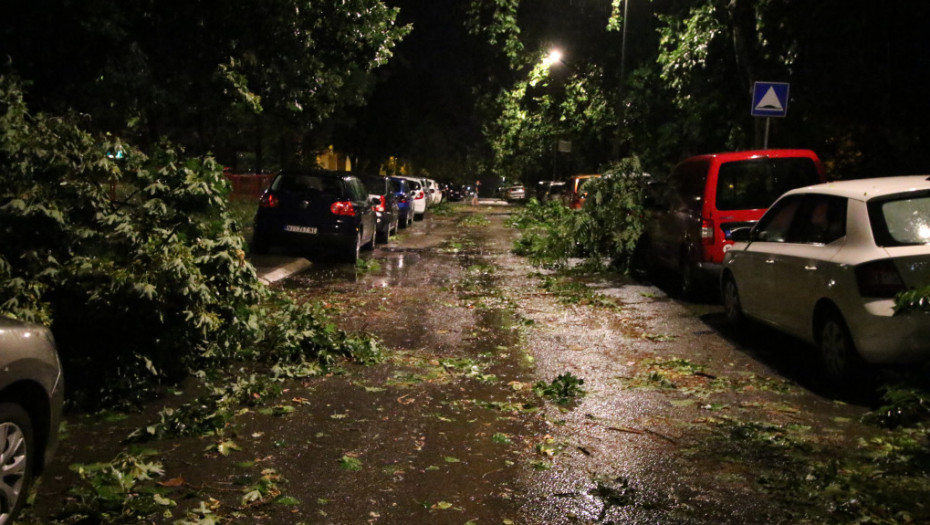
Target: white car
x: 825, y: 263
x: 515, y: 193
x: 31, y: 397
x: 434, y: 193
x: 420, y: 199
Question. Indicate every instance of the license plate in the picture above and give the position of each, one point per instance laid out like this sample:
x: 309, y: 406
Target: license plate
x: 299, y: 229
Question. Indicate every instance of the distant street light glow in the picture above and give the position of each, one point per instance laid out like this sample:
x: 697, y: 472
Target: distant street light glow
x: 554, y: 56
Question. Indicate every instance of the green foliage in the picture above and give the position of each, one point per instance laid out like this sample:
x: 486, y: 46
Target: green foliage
x: 119, y: 488
x: 563, y: 389
x: 917, y: 300
x: 204, y: 74
x: 902, y: 406
x: 496, y: 20
x: 608, y: 226
x: 136, y: 266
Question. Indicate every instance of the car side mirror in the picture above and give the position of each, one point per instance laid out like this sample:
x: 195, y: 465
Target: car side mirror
x: 743, y: 234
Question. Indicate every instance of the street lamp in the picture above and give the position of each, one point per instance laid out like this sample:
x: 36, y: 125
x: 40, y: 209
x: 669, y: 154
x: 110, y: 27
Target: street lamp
x: 555, y: 56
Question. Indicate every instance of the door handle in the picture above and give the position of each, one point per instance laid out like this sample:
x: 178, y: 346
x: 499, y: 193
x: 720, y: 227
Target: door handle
x: 810, y: 267
x: 770, y: 261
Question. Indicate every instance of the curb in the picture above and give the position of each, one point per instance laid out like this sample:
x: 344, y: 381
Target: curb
x: 282, y: 272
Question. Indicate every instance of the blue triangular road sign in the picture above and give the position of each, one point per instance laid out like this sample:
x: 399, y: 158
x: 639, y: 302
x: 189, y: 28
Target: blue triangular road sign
x: 770, y: 99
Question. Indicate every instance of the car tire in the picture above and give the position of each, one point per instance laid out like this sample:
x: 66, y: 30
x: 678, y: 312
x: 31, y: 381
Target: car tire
x: 838, y: 356
x: 17, y: 454
x: 384, y: 237
x: 353, y: 249
x: 373, y: 242
x: 732, y: 307
x: 688, y: 284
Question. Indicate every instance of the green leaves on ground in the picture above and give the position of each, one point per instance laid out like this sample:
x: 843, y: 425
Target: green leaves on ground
x: 563, y: 389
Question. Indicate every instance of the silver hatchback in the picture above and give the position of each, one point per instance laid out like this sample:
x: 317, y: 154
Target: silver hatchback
x: 31, y: 394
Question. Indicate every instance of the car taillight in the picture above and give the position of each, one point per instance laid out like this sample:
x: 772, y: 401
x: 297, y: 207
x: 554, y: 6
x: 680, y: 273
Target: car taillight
x: 343, y: 208
x: 420, y: 195
x: 268, y: 200
x: 707, y: 232
x: 380, y: 206
x: 879, y: 279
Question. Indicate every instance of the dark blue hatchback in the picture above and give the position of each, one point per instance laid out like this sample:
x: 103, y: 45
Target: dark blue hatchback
x: 404, y: 194
x: 315, y: 211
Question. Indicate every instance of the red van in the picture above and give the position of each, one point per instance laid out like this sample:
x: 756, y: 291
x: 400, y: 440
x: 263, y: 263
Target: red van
x: 577, y: 193
x: 691, y: 214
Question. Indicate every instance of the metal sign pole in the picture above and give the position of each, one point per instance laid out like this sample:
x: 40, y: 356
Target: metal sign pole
x: 765, y: 143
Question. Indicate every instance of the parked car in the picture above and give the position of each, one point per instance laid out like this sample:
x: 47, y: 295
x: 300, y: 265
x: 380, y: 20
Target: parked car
x: 453, y: 193
x: 314, y: 211
x: 691, y: 214
x: 825, y: 262
x: 384, y: 202
x: 515, y: 193
x: 31, y: 395
x: 419, y: 198
x: 434, y: 193
x: 576, y: 192
x: 404, y: 196
x: 550, y: 190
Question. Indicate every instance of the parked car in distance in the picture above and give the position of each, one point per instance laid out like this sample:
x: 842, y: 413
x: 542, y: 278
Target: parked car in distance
x: 453, y: 193
x: 315, y: 211
x: 31, y: 395
x: 550, y: 190
x: 384, y: 202
x: 825, y: 263
x: 690, y: 215
x: 576, y: 192
x: 434, y: 193
x: 419, y: 198
x: 403, y: 194
x: 515, y: 193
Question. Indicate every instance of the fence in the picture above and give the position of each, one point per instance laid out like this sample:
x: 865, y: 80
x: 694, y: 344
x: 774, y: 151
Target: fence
x: 247, y: 185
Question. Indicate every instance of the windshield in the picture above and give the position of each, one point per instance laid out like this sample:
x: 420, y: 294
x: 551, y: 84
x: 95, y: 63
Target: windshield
x: 902, y: 220
x: 756, y: 183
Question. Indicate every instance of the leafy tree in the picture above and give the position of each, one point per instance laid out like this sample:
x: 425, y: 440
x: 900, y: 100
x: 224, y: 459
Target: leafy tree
x: 135, y: 264
x: 209, y: 75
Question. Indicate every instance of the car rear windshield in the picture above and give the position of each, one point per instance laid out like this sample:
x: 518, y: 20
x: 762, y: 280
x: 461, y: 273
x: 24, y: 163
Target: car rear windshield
x: 308, y: 184
x: 755, y: 184
x: 902, y: 220
x: 375, y: 185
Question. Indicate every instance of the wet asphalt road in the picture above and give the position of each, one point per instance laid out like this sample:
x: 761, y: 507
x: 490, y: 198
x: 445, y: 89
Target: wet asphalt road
x: 448, y: 430
x: 626, y: 452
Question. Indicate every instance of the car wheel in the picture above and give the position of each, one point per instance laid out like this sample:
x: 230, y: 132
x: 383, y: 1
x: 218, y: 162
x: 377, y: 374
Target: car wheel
x: 838, y: 355
x: 688, y: 280
x: 384, y: 236
x: 353, y: 249
x: 16, y: 458
x: 731, y: 304
x: 372, y: 243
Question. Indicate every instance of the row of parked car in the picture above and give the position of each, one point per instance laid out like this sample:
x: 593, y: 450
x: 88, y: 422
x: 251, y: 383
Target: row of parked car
x: 820, y: 260
x: 316, y: 210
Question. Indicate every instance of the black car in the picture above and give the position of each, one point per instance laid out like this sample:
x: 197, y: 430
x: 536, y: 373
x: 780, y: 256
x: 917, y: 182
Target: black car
x: 315, y: 211
x: 384, y: 202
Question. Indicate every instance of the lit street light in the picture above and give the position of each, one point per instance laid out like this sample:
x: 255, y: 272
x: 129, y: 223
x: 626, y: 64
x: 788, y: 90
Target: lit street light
x: 554, y: 57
